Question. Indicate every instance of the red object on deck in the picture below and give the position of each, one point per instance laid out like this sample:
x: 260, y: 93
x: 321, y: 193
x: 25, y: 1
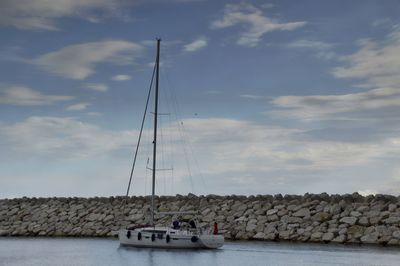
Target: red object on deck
x: 215, y: 229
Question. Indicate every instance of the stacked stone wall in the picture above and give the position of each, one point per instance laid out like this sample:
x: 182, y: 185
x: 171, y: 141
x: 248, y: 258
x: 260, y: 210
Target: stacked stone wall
x: 349, y: 218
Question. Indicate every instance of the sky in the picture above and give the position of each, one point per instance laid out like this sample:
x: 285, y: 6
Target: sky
x: 257, y: 97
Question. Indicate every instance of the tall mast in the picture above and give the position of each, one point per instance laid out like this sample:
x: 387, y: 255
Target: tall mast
x: 155, y: 132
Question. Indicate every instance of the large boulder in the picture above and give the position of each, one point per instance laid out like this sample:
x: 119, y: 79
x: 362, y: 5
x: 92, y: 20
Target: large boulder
x: 304, y: 212
x: 370, y: 238
x: 321, y: 217
x: 327, y: 237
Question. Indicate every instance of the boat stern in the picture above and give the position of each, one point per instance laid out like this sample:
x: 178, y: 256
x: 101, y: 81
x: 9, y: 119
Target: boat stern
x: 212, y: 241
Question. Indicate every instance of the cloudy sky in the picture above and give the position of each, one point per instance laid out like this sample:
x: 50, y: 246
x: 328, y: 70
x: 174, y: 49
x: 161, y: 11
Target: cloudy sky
x: 258, y: 97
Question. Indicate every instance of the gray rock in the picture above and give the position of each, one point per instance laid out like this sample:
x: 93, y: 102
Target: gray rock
x: 396, y: 234
x: 355, y: 231
x: 204, y: 212
x: 272, y: 218
x: 270, y: 228
x: 321, y: 216
x: 242, y: 207
x: 363, y: 221
x: 210, y: 217
x: 270, y: 236
x: 383, y: 230
x: 316, y: 236
x: 375, y: 220
x: 373, y: 214
x: 393, y: 242
x: 108, y: 218
x: 392, y: 207
x: 4, y: 232
x: 294, y: 220
x: 272, y: 211
x: 293, y: 226
x: 136, y: 217
x: 241, y: 219
x: 304, y: 212
x: 385, y: 214
x: 355, y: 214
x: 282, y: 212
x: 339, y: 239
x: 259, y: 235
x: 349, y: 220
x: 335, y: 209
x: 250, y: 227
x: 370, y: 238
x: 392, y: 220
x: 328, y: 236
x: 362, y: 209
x: 284, y: 234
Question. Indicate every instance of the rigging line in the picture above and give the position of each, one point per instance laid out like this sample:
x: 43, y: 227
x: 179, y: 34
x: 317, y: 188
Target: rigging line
x: 171, y: 153
x: 182, y: 139
x: 140, y: 134
x: 162, y: 151
x: 166, y: 142
x: 182, y: 136
x: 194, y: 158
x: 184, y: 132
x: 169, y: 142
x: 184, y: 144
x: 147, y: 140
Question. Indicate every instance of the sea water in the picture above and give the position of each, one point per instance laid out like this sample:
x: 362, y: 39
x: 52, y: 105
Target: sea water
x: 92, y: 251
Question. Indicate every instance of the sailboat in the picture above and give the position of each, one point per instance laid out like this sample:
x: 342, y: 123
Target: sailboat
x: 179, y: 234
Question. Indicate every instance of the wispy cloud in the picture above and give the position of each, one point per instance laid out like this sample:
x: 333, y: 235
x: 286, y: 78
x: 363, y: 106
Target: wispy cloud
x: 195, y: 45
x: 62, y: 137
x: 78, y: 61
x: 309, y: 44
x: 252, y: 96
x: 93, y: 113
x: 42, y: 14
x: 121, y: 77
x: 212, y: 92
x: 97, y: 87
x: 322, y: 49
x: 25, y: 96
x: 257, y: 23
x: 77, y: 107
x: 325, y: 106
x: 382, y: 22
x: 376, y: 63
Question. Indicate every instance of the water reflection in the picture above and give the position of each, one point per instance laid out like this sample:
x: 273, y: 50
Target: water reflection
x: 62, y: 251
x: 156, y: 257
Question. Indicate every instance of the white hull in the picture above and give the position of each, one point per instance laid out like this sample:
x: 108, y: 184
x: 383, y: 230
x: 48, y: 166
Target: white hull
x: 176, y: 239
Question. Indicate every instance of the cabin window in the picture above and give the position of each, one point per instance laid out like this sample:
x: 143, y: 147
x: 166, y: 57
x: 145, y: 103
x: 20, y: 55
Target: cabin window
x: 155, y: 231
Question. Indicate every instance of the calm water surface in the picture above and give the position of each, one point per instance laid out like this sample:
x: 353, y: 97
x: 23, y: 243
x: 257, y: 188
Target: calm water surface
x: 70, y: 251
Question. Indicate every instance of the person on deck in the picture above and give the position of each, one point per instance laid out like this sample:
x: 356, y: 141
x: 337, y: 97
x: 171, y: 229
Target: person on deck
x: 175, y: 224
x: 215, y: 228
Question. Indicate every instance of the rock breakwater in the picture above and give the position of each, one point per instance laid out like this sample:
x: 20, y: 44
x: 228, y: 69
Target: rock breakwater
x: 349, y: 218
